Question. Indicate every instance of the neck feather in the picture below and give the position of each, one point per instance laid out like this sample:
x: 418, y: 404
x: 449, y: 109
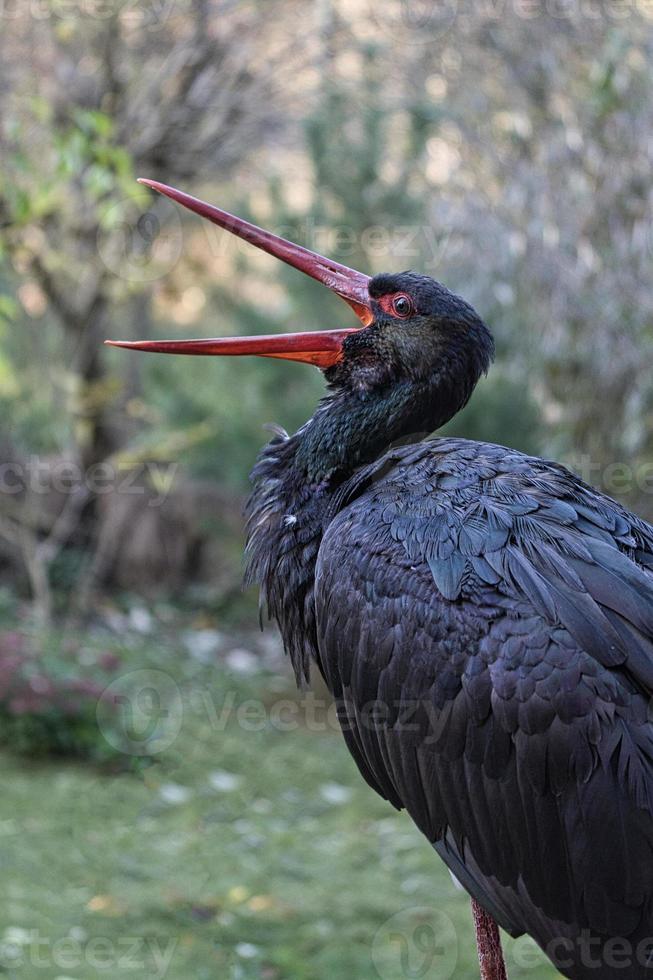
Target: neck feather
x: 294, y: 481
x: 285, y: 519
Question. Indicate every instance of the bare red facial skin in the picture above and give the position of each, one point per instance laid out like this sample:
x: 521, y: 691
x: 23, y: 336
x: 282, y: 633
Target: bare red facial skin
x: 398, y: 305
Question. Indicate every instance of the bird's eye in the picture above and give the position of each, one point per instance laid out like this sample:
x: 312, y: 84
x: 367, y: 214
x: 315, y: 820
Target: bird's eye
x: 402, y: 305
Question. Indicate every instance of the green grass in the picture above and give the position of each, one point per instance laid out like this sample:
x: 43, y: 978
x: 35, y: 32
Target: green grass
x: 242, y: 851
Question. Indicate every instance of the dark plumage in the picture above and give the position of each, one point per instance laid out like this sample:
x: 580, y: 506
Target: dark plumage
x: 485, y: 621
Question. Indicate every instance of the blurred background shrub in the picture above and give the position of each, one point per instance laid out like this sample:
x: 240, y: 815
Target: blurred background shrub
x: 48, y: 705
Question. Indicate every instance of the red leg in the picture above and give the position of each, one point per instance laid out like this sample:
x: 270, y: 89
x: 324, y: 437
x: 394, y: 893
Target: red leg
x: 488, y: 944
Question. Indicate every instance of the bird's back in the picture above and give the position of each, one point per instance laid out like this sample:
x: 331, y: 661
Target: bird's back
x: 486, y: 622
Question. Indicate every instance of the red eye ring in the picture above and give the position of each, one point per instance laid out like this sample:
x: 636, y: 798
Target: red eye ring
x: 402, y: 306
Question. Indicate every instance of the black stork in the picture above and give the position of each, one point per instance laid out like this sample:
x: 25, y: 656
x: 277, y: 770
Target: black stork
x: 483, y: 618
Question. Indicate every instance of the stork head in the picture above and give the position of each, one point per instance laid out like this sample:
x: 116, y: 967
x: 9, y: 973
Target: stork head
x: 413, y: 331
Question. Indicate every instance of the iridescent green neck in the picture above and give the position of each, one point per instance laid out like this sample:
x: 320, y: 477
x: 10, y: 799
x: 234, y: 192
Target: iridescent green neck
x: 351, y: 429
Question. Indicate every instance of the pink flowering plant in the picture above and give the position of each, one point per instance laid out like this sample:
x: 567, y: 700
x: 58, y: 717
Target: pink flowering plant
x: 48, y: 702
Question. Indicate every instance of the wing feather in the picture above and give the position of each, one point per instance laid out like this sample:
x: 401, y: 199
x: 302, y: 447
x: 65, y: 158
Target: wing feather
x: 511, y: 607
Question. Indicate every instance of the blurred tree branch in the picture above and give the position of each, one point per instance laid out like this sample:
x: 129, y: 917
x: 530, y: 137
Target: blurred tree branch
x: 190, y: 96
x: 177, y: 90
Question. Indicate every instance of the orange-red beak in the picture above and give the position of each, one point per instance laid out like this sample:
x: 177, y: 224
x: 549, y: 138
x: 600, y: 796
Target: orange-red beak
x: 322, y: 348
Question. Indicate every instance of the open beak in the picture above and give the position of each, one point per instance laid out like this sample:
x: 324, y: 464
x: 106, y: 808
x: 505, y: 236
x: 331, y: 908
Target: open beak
x: 322, y: 347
